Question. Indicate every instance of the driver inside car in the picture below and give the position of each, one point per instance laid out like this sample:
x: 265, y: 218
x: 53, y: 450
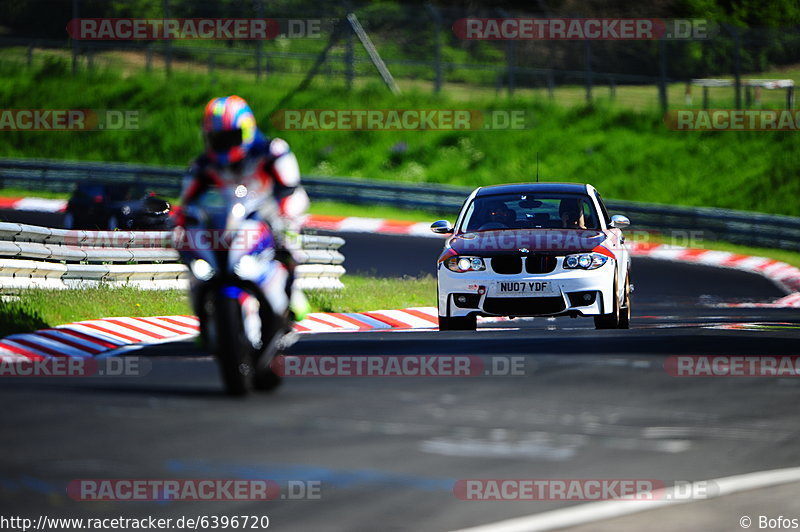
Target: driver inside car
x: 500, y: 213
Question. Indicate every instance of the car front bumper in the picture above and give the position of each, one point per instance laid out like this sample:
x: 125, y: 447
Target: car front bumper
x: 570, y: 292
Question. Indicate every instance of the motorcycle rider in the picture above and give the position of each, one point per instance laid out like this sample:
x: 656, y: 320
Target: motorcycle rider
x: 237, y: 152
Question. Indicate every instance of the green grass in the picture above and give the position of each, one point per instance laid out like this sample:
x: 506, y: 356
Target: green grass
x: 333, y: 208
x: 370, y: 293
x: 627, y: 154
x: 18, y: 192
x: 39, y: 308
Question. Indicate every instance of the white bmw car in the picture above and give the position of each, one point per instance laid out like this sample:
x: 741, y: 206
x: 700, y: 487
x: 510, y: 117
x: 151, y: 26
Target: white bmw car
x: 534, y: 249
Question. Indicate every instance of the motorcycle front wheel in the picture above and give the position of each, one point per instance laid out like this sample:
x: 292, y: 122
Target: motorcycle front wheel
x: 234, y: 353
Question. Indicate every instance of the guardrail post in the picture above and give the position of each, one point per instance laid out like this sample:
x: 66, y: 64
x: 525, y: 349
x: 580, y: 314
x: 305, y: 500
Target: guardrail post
x: 75, y: 14
x: 588, y: 71
x: 167, y: 43
x: 662, y: 78
x: 149, y: 57
x: 705, y: 97
x: 551, y: 85
x: 790, y: 97
x: 512, y: 67
x: 349, y: 58
x: 737, y: 67
x: 30, y: 56
x: 437, y: 36
x: 260, y: 15
x: 511, y: 58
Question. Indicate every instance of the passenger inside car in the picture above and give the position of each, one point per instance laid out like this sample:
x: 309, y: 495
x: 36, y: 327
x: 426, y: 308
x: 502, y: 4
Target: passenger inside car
x: 571, y: 213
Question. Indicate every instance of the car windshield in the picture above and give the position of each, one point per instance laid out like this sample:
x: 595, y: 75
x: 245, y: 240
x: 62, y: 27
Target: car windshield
x: 530, y: 211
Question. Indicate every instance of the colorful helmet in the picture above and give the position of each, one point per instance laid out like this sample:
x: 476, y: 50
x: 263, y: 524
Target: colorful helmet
x: 229, y: 129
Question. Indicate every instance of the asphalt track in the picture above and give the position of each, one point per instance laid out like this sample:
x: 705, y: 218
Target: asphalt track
x: 388, y: 450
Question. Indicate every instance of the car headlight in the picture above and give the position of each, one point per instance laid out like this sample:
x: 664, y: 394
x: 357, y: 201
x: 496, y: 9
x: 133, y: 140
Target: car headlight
x: 202, y: 269
x: 585, y: 261
x: 465, y: 264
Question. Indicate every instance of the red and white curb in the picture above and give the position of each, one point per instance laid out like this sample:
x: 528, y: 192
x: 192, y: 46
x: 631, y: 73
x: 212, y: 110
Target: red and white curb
x: 34, y: 204
x: 93, y: 338
x: 106, y: 336
x: 409, y: 318
x: 783, y: 274
x: 354, y: 224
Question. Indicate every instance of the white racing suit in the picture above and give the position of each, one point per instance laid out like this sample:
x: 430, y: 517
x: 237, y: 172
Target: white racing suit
x: 269, y: 168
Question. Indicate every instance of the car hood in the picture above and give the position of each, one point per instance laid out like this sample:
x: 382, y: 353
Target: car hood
x: 516, y: 241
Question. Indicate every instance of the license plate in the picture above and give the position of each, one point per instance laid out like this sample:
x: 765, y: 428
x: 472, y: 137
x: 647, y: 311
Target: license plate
x: 524, y: 288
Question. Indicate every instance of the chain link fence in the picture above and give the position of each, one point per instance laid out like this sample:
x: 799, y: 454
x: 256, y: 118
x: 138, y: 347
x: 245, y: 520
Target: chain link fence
x: 423, y: 48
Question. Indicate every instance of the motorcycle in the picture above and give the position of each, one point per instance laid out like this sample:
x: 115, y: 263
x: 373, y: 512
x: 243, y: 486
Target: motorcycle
x: 237, y: 287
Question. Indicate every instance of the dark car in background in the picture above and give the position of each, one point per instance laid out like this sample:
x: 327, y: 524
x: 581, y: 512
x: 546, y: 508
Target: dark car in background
x: 125, y: 206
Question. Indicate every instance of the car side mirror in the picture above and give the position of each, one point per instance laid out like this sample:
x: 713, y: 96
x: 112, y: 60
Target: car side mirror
x: 156, y: 205
x: 619, y: 221
x: 442, y: 227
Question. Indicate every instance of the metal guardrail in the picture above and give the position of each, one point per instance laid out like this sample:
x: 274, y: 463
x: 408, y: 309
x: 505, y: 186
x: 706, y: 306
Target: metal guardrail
x: 33, y: 256
x: 750, y: 228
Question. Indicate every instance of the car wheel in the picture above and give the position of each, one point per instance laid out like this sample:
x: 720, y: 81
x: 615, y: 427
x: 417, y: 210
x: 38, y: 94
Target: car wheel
x: 465, y: 323
x: 625, y: 311
x: 611, y: 320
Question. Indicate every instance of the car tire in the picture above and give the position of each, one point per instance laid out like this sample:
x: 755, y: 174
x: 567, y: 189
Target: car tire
x: 625, y: 311
x: 465, y: 323
x: 611, y: 320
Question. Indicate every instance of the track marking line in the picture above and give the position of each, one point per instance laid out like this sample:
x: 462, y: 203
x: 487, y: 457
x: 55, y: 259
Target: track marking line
x: 602, y: 510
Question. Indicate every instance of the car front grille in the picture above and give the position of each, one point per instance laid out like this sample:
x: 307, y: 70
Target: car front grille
x: 523, y: 306
x: 540, y: 263
x: 512, y: 265
x: 507, y: 265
